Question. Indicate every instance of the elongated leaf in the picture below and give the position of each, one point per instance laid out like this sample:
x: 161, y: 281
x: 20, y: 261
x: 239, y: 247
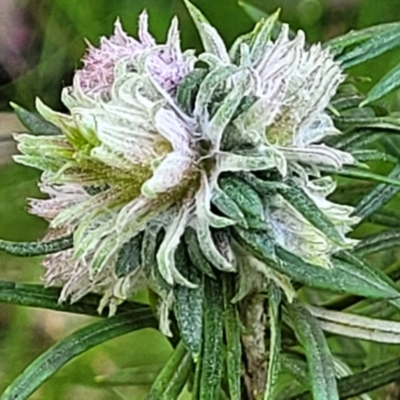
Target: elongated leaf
x: 134, y: 376
x: 379, y: 196
x: 40, y: 297
x: 274, y: 301
x: 382, y: 123
x: 378, y: 242
x: 34, y: 123
x: 373, y: 155
x: 195, y: 253
x: 344, y: 324
x: 371, y: 48
x: 258, y: 243
x: 232, y: 334
x: 188, y: 88
x: 211, y: 370
x: 364, y: 381
x: 320, y: 361
x: 298, y: 199
x: 343, y: 277
x: 171, y: 380
x: 340, y: 43
x: 385, y: 218
x: 129, y: 257
x: 188, y: 305
x: 77, y: 343
x: 390, y: 82
x: 31, y: 249
x: 352, y: 172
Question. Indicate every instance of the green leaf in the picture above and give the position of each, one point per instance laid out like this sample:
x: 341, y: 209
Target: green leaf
x: 188, y: 306
x: 344, y: 277
x: 352, y: 172
x: 376, y: 45
x: 258, y: 243
x: 228, y: 207
x: 320, y: 361
x: 254, y: 12
x: 364, y: 381
x: 246, y: 198
x: 32, y: 249
x: 34, y: 123
x: 274, y: 362
x: 134, y: 376
x: 379, y: 196
x: 385, y: 218
x: 188, y: 88
x: 378, y: 242
x: 311, y: 212
x: 381, y: 123
x: 211, y: 370
x: 41, y: 297
x: 170, y: 382
x: 390, y: 82
x: 79, y: 342
x: 129, y: 257
x: 232, y: 334
x: 340, y: 43
x: 373, y: 155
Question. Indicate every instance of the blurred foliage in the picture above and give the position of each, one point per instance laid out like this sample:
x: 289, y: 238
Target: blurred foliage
x: 58, y: 29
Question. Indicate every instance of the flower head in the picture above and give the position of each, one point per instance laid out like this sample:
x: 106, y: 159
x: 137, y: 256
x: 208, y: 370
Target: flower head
x: 148, y: 138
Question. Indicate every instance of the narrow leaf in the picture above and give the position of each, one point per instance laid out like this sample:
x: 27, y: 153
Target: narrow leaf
x: 232, y: 334
x: 274, y: 362
x: 129, y: 257
x: 343, y: 277
x: 68, y: 348
x: 390, y: 82
x: 371, y: 48
x: 32, y: 249
x: 211, y: 370
x: 298, y: 199
x: 41, y: 297
x: 378, y: 242
x: 171, y: 380
x: 188, y: 306
x: 34, y: 123
x: 320, y: 361
x: 378, y: 197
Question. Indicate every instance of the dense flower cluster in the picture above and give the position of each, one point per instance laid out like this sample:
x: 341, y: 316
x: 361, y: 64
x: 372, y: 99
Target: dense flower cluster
x: 150, y: 134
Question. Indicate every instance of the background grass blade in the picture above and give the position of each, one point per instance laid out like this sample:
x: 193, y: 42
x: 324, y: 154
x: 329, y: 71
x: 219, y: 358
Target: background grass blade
x: 71, y: 346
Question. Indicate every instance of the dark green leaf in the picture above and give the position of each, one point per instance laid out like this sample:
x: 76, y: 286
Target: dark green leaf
x: 274, y: 361
x: 320, y: 361
x: 188, y: 88
x: 195, y: 253
x: 340, y: 43
x: 232, y: 335
x: 211, y: 370
x: 170, y: 382
x: 71, y: 346
x: 378, y: 242
x: 258, y: 243
x: 34, y: 123
x: 376, y: 45
x: 390, y: 82
x: 32, y: 249
x: 311, y: 212
x: 188, y: 306
x: 38, y: 296
x: 129, y: 257
x: 343, y: 277
x: 228, y: 207
x: 379, y: 196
